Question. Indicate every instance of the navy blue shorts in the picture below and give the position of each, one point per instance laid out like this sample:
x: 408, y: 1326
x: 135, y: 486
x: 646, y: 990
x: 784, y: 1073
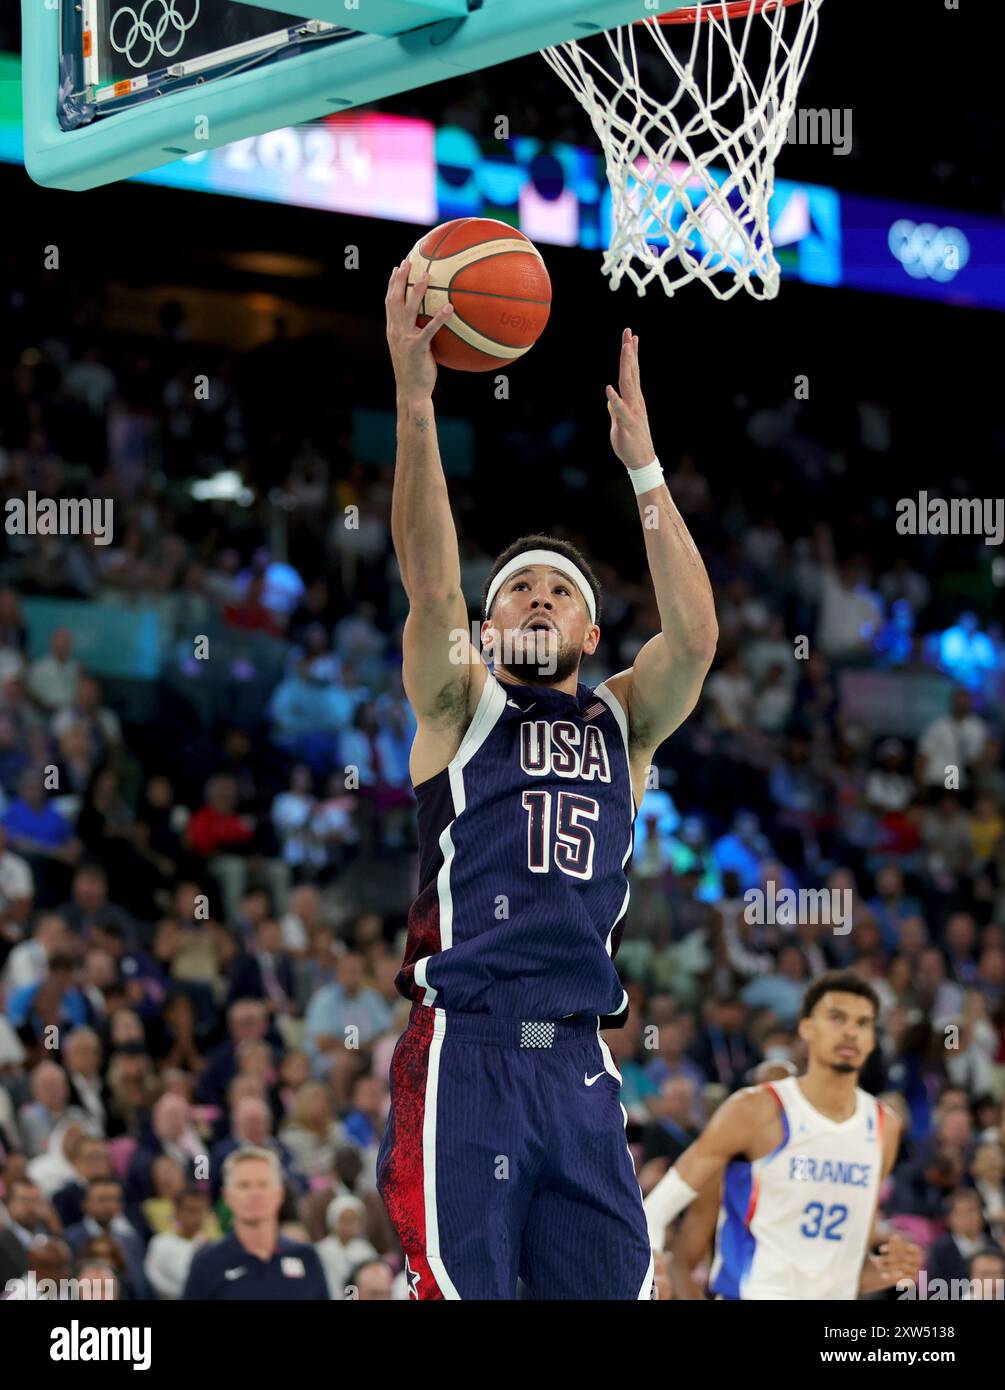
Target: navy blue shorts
x: 505, y: 1157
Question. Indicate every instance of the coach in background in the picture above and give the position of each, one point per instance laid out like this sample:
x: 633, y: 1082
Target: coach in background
x: 255, y: 1261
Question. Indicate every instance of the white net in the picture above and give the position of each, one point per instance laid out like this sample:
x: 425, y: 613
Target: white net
x: 692, y: 176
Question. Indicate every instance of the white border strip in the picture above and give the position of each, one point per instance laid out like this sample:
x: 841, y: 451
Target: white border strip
x: 433, y: 1257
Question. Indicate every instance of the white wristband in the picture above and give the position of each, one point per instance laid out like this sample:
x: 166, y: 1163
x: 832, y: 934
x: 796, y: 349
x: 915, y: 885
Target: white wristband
x: 668, y: 1198
x: 645, y: 479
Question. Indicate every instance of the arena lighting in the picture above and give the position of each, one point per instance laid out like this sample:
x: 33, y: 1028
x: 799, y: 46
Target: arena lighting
x: 227, y: 486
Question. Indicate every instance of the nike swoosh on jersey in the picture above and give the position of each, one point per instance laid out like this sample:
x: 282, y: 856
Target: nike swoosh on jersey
x: 590, y: 1079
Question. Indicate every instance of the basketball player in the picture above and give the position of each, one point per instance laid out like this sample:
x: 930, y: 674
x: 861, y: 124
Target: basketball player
x: 504, y: 1156
x: 800, y: 1161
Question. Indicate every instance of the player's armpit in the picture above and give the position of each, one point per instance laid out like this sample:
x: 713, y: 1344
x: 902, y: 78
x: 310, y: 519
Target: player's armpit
x: 660, y: 690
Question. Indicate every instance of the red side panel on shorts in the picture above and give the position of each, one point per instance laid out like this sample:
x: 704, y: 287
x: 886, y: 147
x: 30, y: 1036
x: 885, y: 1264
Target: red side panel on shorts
x: 403, y: 1176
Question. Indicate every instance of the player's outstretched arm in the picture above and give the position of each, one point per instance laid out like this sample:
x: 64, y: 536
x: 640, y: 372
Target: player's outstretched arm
x: 735, y: 1127
x: 437, y: 656
x: 422, y: 527
x: 664, y: 683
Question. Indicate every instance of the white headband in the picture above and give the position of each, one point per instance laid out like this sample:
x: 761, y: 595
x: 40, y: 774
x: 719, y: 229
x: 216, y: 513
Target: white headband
x: 543, y: 557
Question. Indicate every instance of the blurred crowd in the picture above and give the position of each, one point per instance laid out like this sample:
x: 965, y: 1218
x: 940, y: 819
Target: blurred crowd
x: 185, y: 946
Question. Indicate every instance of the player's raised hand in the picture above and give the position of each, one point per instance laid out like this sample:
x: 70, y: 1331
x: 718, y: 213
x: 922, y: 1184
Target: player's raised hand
x: 630, y: 437
x: 411, y: 356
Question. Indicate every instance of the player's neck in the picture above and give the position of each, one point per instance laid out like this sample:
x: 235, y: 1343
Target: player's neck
x: 569, y: 685
x: 831, y: 1092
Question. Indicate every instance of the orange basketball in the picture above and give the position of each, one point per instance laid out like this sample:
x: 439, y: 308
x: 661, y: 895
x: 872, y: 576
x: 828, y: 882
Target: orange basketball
x: 497, y: 281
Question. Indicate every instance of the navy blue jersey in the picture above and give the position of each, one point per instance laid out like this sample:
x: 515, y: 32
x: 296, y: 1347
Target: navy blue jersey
x: 524, y: 842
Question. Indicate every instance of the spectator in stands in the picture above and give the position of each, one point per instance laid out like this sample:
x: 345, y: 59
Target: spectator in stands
x: 82, y: 1060
x: 265, y: 972
x: 174, y: 1042
x: 987, y: 1171
x: 722, y: 1051
x: 225, y: 839
x: 55, y: 1003
x: 104, y: 1215
x: 345, y: 1247
x: 102, y: 724
x: 170, y: 1253
x: 160, y: 822
x: 301, y: 920
x: 950, y: 1256
x: 26, y: 1223
x: 986, y: 1273
x: 193, y: 949
x: 251, y: 1127
x: 730, y: 695
x: 172, y: 1133
x: 250, y: 613
x: 888, y: 787
x: 89, y: 1157
x: 52, y: 679
x: 90, y: 907
x: 850, y: 613
x: 348, y: 1010
x: 311, y: 1132
x: 372, y: 1281
x: 672, y: 1128
x: 133, y: 1089
x: 954, y: 740
x: 246, y: 1018
x: 782, y: 990
x: 28, y: 962
x: 146, y: 985
x: 292, y: 813
x: 35, y: 829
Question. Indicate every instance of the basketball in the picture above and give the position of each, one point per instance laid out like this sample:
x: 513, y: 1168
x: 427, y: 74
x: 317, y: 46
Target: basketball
x: 497, y: 281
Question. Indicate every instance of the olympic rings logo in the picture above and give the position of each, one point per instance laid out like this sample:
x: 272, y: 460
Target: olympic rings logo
x: 140, y: 31
x: 928, y: 252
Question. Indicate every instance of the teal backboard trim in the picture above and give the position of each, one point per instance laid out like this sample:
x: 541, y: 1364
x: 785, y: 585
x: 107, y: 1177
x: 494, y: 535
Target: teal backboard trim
x: 329, y: 75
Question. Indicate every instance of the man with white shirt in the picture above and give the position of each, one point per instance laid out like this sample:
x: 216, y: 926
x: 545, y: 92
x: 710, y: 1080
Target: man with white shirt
x: 954, y: 740
x: 28, y: 962
x: 170, y: 1253
x: 17, y: 884
x: 52, y: 679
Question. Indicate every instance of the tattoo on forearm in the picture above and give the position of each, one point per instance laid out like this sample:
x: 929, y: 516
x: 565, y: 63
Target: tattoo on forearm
x: 422, y: 425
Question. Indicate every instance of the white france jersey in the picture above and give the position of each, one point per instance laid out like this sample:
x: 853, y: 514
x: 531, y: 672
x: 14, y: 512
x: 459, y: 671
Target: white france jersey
x: 796, y: 1223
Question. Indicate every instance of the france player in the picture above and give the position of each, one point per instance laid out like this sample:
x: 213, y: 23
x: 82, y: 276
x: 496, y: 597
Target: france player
x: 504, y: 1156
x: 800, y: 1161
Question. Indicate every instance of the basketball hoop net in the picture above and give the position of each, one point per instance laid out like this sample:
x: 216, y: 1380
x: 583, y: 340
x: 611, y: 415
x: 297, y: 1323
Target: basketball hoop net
x: 692, y: 177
